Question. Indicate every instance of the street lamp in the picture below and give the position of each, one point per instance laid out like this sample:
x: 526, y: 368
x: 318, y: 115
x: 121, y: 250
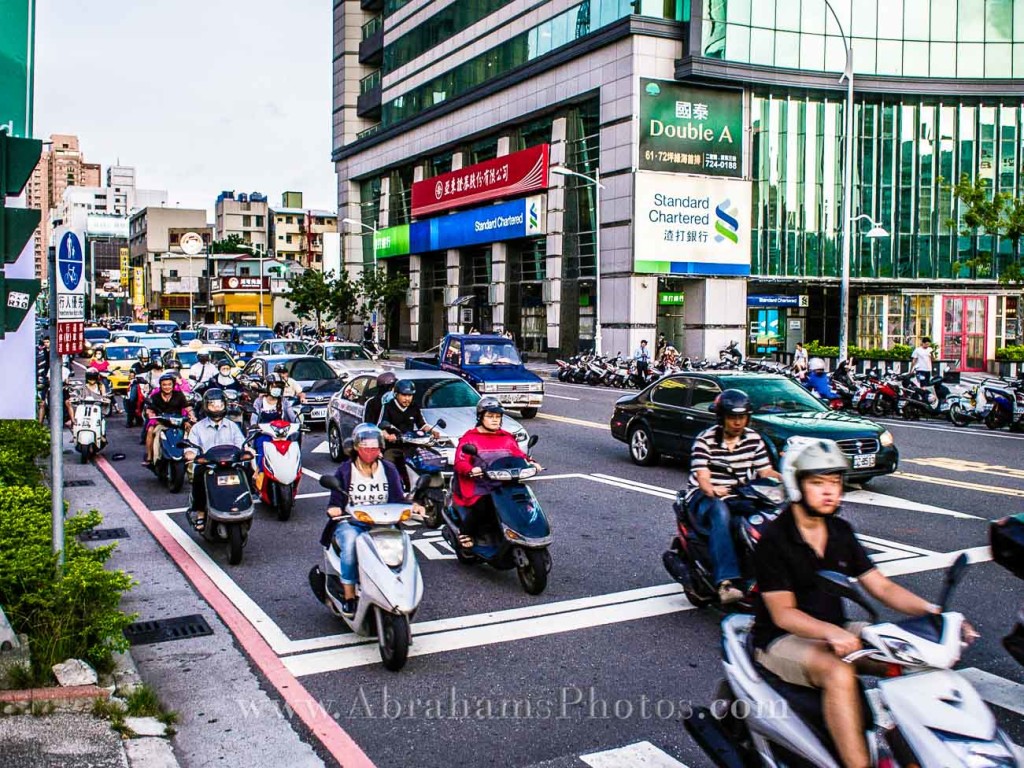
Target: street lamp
x: 877, y: 230
x: 373, y: 229
x: 598, y: 186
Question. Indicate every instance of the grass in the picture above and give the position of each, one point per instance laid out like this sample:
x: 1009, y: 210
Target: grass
x: 23, y: 676
x: 142, y: 702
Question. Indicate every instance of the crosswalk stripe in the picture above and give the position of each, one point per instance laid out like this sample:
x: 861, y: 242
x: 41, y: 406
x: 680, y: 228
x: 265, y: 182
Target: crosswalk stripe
x: 643, y: 754
x: 958, y: 484
x: 996, y: 690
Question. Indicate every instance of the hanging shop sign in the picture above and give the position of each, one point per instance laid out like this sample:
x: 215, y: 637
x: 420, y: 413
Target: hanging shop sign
x: 508, y: 176
x: 393, y: 241
x: 691, y: 225
x: 686, y: 129
x: 670, y: 298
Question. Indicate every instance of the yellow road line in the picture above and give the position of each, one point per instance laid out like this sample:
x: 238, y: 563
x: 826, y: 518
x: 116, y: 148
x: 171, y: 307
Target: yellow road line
x: 960, y: 465
x: 577, y: 422
x: 959, y: 484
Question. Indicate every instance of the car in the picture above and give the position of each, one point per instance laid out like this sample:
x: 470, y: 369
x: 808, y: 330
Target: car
x: 162, y: 326
x: 188, y: 356
x: 137, y: 327
x: 129, y: 337
x: 347, y: 359
x: 94, y: 337
x: 441, y: 395
x: 181, y: 337
x: 246, y: 341
x: 664, y: 418
x: 318, y: 380
x: 157, y: 343
x: 121, y: 356
x: 213, y: 333
x: 281, y: 347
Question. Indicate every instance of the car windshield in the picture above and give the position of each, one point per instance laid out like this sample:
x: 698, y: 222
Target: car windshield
x: 186, y: 336
x: 157, y: 342
x: 117, y: 352
x: 492, y: 354
x: 288, y: 347
x: 254, y: 337
x: 138, y: 327
x: 777, y: 394
x: 218, y: 334
x: 325, y: 386
x: 94, y: 334
x: 165, y: 327
x: 188, y: 358
x: 445, y: 393
x: 345, y: 353
x: 311, y: 370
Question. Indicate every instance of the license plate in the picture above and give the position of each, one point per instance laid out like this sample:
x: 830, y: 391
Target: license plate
x: 514, y: 398
x: 228, y: 480
x: 318, y: 413
x: 864, y: 462
x: 869, y: 396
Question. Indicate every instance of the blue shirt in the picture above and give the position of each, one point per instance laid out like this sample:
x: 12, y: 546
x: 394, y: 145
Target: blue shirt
x: 817, y: 381
x: 642, y: 355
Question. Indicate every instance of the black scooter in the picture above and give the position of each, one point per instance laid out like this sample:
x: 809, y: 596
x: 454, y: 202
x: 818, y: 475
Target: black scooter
x: 518, y: 534
x: 688, y: 561
x: 917, y: 401
x: 229, y: 502
x: 1007, y: 539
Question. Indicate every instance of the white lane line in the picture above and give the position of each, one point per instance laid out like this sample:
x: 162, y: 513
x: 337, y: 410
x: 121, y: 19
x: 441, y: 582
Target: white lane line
x: 996, y: 690
x: 565, y: 476
x: 643, y: 754
x: 473, y: 637
x: 957, y: 431
x: 175, y: 510
x: 310, y: 473
x: 896, y: 545
x: 574, y: 422
x: 883, y: 500
x: 562, y: 397
x: 940, y: 561
x: 651, y: 491
x: 322, y: 448
x: 497, y: 617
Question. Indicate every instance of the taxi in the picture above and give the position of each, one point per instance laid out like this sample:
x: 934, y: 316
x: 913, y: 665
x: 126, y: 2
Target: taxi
x: 121, y: 356
x: 188, y: 356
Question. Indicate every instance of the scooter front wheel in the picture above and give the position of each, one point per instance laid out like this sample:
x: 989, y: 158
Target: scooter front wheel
x: 284, y: 502
x: 958, y: 415
x: 533, y: 574
x: 175, y: 476
x: 393, y: 636
x: 235, y: 544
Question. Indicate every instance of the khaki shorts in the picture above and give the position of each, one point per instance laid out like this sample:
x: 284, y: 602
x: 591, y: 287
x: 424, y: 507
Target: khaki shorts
x: 786, y: 657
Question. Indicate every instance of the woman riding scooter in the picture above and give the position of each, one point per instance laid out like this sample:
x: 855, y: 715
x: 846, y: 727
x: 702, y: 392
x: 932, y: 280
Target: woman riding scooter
x: 468, y: 492
x: 366, y: 479
x: 269, y: 407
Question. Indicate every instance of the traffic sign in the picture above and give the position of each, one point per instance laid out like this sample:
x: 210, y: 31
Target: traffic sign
x: 17, y: 297
x: 70, y: 294
x: 70, y: 262
x: 191, y: 243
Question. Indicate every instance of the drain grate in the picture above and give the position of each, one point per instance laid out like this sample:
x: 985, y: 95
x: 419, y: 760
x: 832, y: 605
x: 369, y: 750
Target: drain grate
x: 78, y: 483
x: 103, y: 534
x: 164, y: 630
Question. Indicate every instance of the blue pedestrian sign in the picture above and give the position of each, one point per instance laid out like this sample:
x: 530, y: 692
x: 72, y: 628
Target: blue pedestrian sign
x: 70, y: 261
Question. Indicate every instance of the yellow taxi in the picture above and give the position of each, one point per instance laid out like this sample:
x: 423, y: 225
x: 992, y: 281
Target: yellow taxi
x: 122, y: 356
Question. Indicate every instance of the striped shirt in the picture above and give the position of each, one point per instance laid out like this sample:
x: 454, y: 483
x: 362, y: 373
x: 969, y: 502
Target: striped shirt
x: 728, y: 468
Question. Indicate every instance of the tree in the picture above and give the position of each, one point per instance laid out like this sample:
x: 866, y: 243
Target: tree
x: 378, y: 291
x: 310, y: 294
x: 231, y: 244
x: 344, y: 299
x: 992, y: 215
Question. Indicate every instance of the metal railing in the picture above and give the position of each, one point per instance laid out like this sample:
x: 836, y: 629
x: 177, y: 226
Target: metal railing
x: 372, y: 27
x: 369, y: 82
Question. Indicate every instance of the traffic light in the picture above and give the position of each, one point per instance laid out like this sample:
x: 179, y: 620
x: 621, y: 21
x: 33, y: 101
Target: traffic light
x: 18, y: 158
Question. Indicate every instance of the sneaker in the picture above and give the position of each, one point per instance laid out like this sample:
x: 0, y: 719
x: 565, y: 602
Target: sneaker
x: 727, y: 593
x: 348, y: 608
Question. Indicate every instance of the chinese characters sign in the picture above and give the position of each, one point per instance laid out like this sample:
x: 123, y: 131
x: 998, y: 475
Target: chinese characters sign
x: 508, y: 176
x: 70, y: 294
x: 691, y: 225
x: 684, y: 129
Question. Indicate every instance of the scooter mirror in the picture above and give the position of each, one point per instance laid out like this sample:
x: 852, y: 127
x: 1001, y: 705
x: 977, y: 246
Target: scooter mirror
x: 534, y: 439
x: 330, y: 482
x: 441, y: 424
x: 711, y: 408
x: 470, y: 450
x: 840, y: 585
x: 953, y: 576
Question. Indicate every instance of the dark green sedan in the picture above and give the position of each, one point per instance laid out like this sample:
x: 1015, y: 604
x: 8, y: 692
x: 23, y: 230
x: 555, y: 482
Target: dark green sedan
x: 663, y: 419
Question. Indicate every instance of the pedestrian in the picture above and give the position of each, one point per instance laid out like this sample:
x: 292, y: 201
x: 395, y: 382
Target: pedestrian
x: 799, y: 359
x: 642, y: 356
x: 659, y: 346
x: 921, y: 361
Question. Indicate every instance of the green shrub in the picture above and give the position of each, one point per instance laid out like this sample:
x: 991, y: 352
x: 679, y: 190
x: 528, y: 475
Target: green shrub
x: 1010, y: 354
x: 896, y: 352
x: 76, y: 616
x: 21, y: 443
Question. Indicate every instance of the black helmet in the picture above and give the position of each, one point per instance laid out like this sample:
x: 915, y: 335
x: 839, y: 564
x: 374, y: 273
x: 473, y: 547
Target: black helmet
x: 732, y: 402
x: 405, y: 387
x: 280, y: 368
x: 92, y: 375
x: 168, y: 377
x: 274, y: 378
x: 386, y: 381
x: 174, y: 365
x: 202, y: 356
x: 488, y: 405
x: 215, y: 397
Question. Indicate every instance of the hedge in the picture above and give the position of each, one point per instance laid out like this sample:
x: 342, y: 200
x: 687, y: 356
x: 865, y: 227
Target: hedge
x: 895, y: 352
x: 21, y: 443
x: 1010, y: 354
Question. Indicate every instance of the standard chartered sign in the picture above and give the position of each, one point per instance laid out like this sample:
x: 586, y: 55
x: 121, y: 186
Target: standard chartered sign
x: 691, y: 225
x: 17, y: 19
x: 686, y: 129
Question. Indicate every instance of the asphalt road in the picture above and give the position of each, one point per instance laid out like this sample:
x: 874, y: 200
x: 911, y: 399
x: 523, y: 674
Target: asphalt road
x: 611, y: 655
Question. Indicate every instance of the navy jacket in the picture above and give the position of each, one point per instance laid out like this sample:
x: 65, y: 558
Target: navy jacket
x: 396, y: 494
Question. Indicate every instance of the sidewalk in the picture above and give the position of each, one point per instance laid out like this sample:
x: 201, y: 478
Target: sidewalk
x: 207, y: 680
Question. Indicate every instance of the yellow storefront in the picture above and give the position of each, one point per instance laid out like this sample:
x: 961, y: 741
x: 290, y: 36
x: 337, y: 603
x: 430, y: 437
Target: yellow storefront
x: 236, y: 301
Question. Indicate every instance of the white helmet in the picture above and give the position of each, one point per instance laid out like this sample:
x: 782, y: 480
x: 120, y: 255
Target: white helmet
x: 816, y: 364
x: 804, y: 456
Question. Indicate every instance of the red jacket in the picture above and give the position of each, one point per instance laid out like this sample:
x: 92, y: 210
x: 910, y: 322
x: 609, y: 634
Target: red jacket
x: 491, y: 446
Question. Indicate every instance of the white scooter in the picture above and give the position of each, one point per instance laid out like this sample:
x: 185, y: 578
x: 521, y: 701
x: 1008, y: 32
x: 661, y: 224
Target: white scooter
x: 389, y: 585
x: 89, y: 428
x: 938, y: 718
x: 277, y: 480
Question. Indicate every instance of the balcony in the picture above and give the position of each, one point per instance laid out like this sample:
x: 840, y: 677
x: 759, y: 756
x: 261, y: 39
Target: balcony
x: 369, y: 102
x: 374, y: 6
x: 371, y: 49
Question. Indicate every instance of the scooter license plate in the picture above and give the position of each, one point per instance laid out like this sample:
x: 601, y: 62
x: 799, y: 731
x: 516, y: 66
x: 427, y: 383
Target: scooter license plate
x: 228, y: 480
x: 318, y: 413
x: 864, y: 462
x: 869, y: 396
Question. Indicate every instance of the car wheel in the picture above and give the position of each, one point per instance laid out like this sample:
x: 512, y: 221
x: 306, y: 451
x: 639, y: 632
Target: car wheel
x: 641, y: 447
x: 334, y: 443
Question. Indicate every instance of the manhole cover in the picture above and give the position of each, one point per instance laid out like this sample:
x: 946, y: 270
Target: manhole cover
x: 103, y: 534
x: 164, y: 630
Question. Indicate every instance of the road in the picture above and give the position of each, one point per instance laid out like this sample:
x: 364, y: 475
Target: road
x: 600, y: 668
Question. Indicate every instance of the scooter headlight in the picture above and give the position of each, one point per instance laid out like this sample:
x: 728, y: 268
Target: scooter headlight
x: 527, y: 472
x: 499, y: 474
x: 902, y: 650
x: 978, y: 754
x: 391, y: 548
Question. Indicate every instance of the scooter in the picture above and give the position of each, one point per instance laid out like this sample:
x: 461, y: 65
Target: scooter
x: 277, y: 481
x: 89, y: 428
x: 756, y: 503
x: 731, y: 354
x: 1007, y: 539
x: 229, y: 503
x: 423, y: 459
x: 135, y: 400
x: 169, y: 463
x: 389, y: 585
x: 519, y: 535
x: 938, y: 717
x: 917, y: 401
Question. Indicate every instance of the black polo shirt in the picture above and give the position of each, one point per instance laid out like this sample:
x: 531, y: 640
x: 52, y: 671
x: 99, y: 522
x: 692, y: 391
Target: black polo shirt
x: 784, y: 562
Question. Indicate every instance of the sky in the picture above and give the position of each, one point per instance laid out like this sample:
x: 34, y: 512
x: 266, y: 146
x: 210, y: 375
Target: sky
x: 200, y: 96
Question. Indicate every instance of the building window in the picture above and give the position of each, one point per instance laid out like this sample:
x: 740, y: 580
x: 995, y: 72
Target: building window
x: 259, y: 221
x: 870, y: 321
x: 172, y: 273
x: 289, y: 220
x: 288, y: 238
x: 909, y: 318
x: 1008, y: 327
x: 247, y: 221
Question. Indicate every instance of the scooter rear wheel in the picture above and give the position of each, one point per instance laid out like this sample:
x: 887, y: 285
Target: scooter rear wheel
x: 393, y: 640
x: 534, y: 575
x: 996, y: 419
x: 235, y: 544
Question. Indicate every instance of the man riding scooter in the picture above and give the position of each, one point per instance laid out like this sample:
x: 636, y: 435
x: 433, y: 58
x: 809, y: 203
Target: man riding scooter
x: 800, y: 631
x: 469, y: 494
x: 723, y: 457
x: 167, y: 401
x: 404, y: 416
x: 817, y: 380
x: 210, y: 432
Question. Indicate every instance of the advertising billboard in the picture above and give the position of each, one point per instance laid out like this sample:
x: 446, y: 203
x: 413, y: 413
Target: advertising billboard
x: 17, y: 33
x: 687, y: 129
x: 508, y: 176
x: 691, y: 225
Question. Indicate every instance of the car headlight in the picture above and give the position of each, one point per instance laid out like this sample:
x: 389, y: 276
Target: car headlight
x: 978, y: 754
x: 536, y: 387
x: 886, y: 439
x: 483, y: 386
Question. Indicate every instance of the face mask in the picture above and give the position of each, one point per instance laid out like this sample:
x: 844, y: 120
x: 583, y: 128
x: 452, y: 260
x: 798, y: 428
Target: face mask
x: 368, y: 455
x: 225, y: 378
x: 276, y: 391
x: 216, y: 415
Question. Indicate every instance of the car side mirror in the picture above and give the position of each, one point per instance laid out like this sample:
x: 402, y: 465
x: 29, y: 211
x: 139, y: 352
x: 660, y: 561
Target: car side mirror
x: 470, y: 450
x: 330, y: 482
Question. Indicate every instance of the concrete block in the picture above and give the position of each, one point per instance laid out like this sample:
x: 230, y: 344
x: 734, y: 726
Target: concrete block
x: 150, y: 753
x: 74, y: 672
x: 145, y: 726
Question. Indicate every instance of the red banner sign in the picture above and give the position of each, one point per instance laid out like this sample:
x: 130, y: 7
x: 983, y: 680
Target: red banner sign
x: 70, y: 337
x: 246, y: 283
x: 510, y: 176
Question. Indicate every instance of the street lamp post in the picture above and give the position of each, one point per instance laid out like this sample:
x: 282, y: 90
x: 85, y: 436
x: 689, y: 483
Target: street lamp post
x: 373, y: 229
x: 598, y: 186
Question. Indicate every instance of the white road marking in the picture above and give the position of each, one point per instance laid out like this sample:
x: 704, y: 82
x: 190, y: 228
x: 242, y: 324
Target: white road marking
x: 588, y: 388
x: 931, y: 480
x: 936, y: 562
x: 954, y: 430
x: 176, y: 510
x: 310, y: 473
x: 895, y: 545
x: 574, y: 422
x: 562, y: 397
x: 643, y: 754
x: 883, y: 500
x: 322, y: 448
x: 433, y: 546
x: 996, y: 690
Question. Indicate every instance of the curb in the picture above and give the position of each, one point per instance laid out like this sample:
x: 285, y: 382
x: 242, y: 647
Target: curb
x: 141, y: 751
x: 74, y: 698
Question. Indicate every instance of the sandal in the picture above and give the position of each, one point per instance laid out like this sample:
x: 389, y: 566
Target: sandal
x: 200, y: 522
x: 465, y: 541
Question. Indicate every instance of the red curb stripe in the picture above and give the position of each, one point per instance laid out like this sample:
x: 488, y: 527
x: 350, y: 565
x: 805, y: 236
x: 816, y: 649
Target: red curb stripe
x: 70, y: 693
x: 328, y: 732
